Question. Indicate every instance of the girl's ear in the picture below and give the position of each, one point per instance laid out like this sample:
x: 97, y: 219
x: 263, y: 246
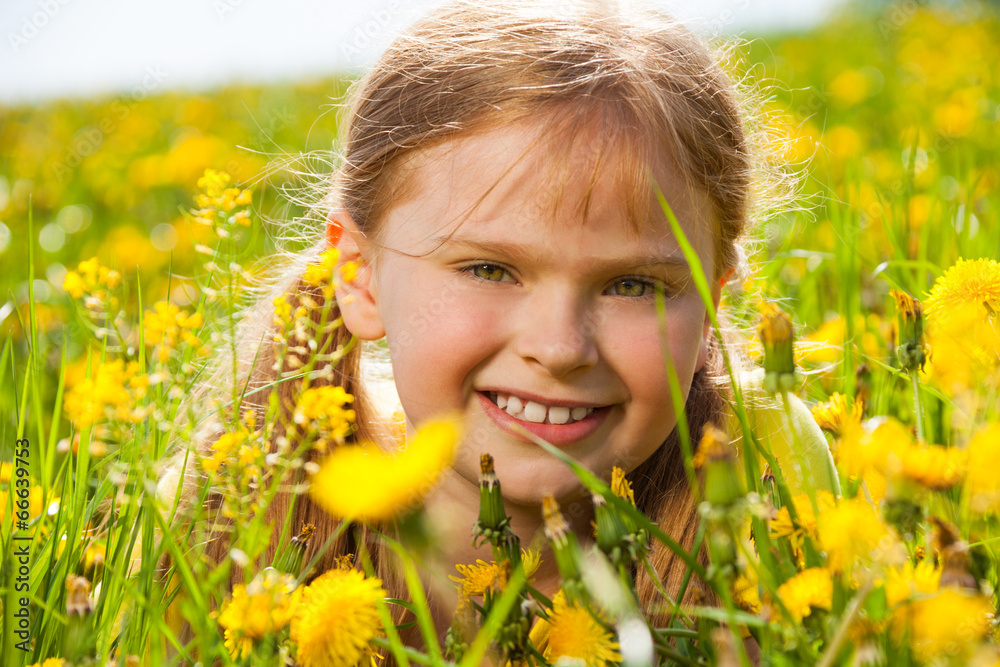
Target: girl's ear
x: 706, y: 333
x: 357, y: 298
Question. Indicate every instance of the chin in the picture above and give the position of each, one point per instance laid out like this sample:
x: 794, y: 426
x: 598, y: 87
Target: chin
x: 525, y: 491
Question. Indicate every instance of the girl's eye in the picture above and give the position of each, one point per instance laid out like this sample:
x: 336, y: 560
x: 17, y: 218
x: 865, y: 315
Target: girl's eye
x: 632, y: 287
x: 490, y: 272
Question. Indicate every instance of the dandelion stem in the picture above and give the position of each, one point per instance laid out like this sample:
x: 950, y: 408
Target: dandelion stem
x: 420, y: 606
x: 400, y: 653
x: 918, y: 410
x: 655, y: 579
x: 845, y: 623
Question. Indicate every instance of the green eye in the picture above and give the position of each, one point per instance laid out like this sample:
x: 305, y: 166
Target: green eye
x: 630, y: 287
x: 490, y: 272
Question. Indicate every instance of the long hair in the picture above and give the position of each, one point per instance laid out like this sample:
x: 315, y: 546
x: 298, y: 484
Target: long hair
x: 659, y: 98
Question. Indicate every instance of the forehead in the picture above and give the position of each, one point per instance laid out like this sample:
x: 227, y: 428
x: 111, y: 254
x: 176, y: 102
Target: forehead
x: 550, y: 171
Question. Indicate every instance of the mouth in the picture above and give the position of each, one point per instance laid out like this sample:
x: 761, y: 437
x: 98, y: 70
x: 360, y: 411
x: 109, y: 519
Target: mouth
x: 557, y: 424
x: 538, y: 413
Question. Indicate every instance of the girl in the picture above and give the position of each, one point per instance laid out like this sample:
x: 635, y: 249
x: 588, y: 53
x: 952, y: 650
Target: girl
x: 495, y: 193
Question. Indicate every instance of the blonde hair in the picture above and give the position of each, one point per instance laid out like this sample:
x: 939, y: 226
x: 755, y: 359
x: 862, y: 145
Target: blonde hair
x: 658, y: 97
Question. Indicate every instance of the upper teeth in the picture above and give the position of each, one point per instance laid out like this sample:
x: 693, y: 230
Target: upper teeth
x: 529, y: 411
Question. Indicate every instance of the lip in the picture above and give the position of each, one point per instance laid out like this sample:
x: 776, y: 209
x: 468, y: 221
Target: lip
x: 559, y: 435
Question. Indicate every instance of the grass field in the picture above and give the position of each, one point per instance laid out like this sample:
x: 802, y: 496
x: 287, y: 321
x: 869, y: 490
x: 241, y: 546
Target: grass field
x: 113, y: 293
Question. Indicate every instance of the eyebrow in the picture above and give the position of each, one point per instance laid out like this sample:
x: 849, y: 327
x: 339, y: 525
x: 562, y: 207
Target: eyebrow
x: 520, y: 253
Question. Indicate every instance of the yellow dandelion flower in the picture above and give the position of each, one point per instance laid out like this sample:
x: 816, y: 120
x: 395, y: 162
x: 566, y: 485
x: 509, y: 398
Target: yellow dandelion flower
x: 805, y: 525
x: 51, y: 662
x: 812, y: 588
x: 850, y: 87
x: 336, y: 619
x: 745, y: 593
x: 366, y: 484
x: 850, y: 531
x: 966, y: 349
x: 968, y: 281
x: 946, y: 624
x: 904, y: 582
x: 883, y: 449
x: 836, y: 416
x: 982, y: 484
x: 482, y: 577
x: 935, y: 467
x: 256, y: 610
x: 620, y: 486
x: 37, y: 502
x: 576, y: 632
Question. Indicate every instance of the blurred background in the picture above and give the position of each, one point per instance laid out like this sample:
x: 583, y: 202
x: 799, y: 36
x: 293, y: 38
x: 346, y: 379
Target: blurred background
x: 65, y: 48
x: 111, y: 110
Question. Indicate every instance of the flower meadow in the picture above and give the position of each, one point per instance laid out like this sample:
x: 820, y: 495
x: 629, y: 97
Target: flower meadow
x: 133, y: 233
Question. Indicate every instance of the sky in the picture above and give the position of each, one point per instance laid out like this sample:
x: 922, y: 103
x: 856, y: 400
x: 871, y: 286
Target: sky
x: 73, y: 48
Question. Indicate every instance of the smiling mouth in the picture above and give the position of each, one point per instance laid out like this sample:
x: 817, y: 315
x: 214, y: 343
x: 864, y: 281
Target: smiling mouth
x: 538, y: 413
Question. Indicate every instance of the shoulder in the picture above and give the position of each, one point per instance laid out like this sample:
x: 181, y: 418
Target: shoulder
x: 785, y: 426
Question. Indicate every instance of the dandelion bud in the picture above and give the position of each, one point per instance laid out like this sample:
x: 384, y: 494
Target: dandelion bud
x: 621, y: 486
x: 78, y: 601
x: 493, y: 520
x: 636, y: 541
x: 954, y: 554
x: 302, y: 539
x: 564, y: 545
x: 777, y: 335
x: 911, y: 350
x: 612, y: 533
x: 493, y: 524
x: 290, y: 561
x: 718, y: 458
x: 769, y: 485
x: 79, y: 638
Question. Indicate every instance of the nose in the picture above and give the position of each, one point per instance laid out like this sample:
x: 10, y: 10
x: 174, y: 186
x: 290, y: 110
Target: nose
x: 558, y: 333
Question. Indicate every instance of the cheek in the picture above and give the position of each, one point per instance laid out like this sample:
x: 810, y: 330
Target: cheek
x: 637, y: 353
x: 435, y: 340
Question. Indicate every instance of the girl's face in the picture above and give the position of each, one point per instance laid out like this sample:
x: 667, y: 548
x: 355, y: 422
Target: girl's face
x: 516, y: 317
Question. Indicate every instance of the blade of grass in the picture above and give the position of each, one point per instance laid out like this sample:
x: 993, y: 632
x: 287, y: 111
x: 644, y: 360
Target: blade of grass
x: 502, y: 606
